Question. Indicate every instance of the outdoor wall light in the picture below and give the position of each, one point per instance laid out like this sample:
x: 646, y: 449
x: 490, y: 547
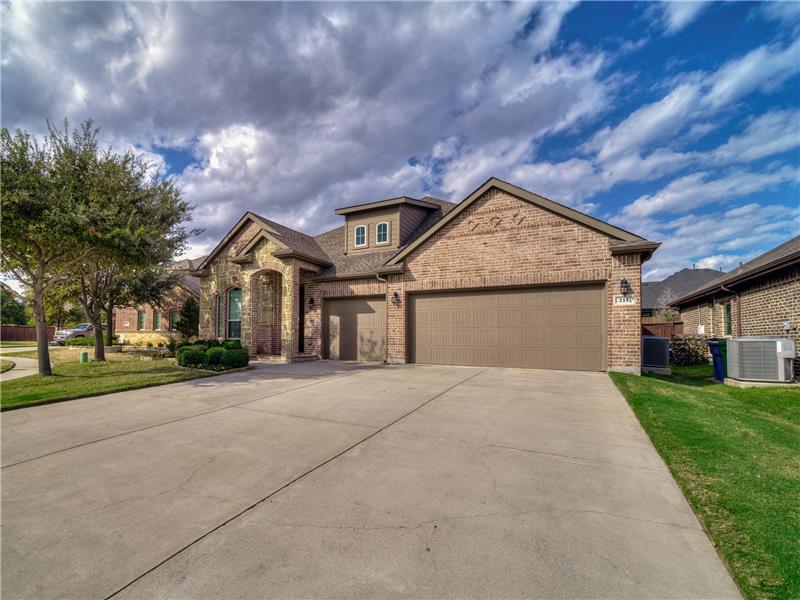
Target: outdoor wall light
x: 624, y: 287
x: 311, y: 302
x: 396, y: 298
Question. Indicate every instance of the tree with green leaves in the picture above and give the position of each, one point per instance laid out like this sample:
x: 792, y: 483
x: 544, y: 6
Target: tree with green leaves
x: 12, y: 310
x: 48, y: 214
x: 144, y: 285
x: 142, y: 224
x: 188, y: 322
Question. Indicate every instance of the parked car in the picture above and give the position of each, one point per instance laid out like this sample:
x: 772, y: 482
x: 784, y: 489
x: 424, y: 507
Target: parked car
x: 82, y: 330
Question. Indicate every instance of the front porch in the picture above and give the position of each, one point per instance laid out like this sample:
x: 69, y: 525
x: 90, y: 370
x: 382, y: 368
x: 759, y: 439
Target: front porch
x: 259, y: 299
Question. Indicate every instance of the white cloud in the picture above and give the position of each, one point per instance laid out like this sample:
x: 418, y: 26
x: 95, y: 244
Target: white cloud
x: 665, y: 118
x: 696, y: 189
x: 763, y: 68
x: 771, y: 133
x: 675, y: 15
x: 719, y: 239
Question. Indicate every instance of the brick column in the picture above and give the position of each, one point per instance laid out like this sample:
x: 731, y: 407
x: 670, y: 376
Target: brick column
x: 290, y: 305
x: 396, y: 320
x: 625, y: 339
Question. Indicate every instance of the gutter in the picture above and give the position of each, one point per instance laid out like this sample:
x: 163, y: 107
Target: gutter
x: 740, y: 278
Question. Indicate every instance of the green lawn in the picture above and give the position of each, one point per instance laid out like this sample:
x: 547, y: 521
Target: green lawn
x: 736, y: 455
x: 6, y: 365
x: 7, y: 344
x: 74, y: 380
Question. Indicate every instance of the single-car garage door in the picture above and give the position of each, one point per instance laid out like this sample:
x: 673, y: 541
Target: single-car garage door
x: 356, y: 329
x: 542, y: 328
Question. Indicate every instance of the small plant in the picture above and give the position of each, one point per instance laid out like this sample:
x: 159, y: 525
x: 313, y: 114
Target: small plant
x: 235, y: 359
x: 232, y: 345
x: 172, y: 345
x: 214, y: 356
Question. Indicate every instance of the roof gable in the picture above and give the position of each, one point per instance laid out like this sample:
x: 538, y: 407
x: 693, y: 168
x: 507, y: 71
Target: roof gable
x: 246, y: 219
x: 564, y: 211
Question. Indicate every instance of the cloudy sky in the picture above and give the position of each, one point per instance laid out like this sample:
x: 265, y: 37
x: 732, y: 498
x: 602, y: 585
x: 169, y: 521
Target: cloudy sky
x: 678, y: 121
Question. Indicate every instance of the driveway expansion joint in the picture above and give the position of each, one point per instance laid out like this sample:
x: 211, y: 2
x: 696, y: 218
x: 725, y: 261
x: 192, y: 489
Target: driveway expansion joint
x: 178, y: 420
x: 289, y: 484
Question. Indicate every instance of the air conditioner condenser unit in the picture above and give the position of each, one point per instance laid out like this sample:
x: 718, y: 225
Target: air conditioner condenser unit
x: 761, y: 359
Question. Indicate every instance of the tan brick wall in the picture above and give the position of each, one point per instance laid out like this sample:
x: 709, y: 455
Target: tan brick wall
x: 765, y: 305
x: 499, y: 241
x: 502, y: 241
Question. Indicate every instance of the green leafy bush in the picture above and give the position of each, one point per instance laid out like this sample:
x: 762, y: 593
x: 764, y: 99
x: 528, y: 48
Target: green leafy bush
x: 172, y: 345
x: 232, y: 344
x: 214, y: 356
x: 80, y: 341
x: 235, y: 359
x: 192, y: 356
x: 195, y: 348
x: 689, y: 350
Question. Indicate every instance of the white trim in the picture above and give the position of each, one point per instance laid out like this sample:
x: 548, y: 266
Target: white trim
x: 388, y: 234
x: 355, y: 236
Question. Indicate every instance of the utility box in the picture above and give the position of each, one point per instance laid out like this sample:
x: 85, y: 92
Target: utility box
x: 655, y: 354
x: 761, y: 359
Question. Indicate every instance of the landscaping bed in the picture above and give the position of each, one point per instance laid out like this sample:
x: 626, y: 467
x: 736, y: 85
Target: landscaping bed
x: 6, y: 365
x: 736, y: 455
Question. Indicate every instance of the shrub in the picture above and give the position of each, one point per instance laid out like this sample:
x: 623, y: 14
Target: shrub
x: 689, y: 350
x: 179, y: 355
x: 192, y: 357
x: 232, y: 345
x: 145, y: 339
x: 214, y: 356
x: 172, y: 345
x: 80, y: 341
x: 234, y: 359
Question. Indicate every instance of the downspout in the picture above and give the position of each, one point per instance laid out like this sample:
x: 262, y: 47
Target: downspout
x: 386, y: 351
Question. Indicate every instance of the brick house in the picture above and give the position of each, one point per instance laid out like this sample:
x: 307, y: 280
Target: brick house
x: 504, y: 278
x: 760, y: 297
x: 151, y: 319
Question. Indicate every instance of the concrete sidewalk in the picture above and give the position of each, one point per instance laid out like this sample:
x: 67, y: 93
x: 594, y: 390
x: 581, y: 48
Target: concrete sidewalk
x: 23, y: 367
x: 340, y: 480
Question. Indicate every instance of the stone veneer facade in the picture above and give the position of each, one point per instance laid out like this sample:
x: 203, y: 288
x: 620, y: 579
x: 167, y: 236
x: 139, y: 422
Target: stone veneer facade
x: 499, y: 241
x: 759, y: 308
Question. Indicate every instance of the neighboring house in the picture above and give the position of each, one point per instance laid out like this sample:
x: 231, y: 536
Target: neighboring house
x: 760, y: 297
x: 657, y: 295
x: 150, y: 319
x: 504, y: 278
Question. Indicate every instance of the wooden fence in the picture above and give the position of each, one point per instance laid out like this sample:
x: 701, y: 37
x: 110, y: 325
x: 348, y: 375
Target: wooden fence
x: 666, y: 330
x: 22, y: 333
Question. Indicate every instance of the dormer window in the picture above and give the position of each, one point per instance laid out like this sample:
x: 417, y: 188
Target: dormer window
x: 382, y: 233
x: 361, y: 236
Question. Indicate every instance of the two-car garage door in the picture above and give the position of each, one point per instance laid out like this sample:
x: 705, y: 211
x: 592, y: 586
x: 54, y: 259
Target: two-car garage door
x: 542, y: 328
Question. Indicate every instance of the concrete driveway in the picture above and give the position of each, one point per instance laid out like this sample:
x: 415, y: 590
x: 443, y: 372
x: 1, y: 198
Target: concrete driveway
x: 331, y: 479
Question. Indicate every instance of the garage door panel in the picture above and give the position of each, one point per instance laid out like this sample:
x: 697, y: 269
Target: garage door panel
x: 553, y: 328
x: 356, y: 329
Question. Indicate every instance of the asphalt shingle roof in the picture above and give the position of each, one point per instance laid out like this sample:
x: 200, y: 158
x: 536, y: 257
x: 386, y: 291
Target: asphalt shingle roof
x: 332, y: 244
x: 752, y: 267
x: 678, y: 284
